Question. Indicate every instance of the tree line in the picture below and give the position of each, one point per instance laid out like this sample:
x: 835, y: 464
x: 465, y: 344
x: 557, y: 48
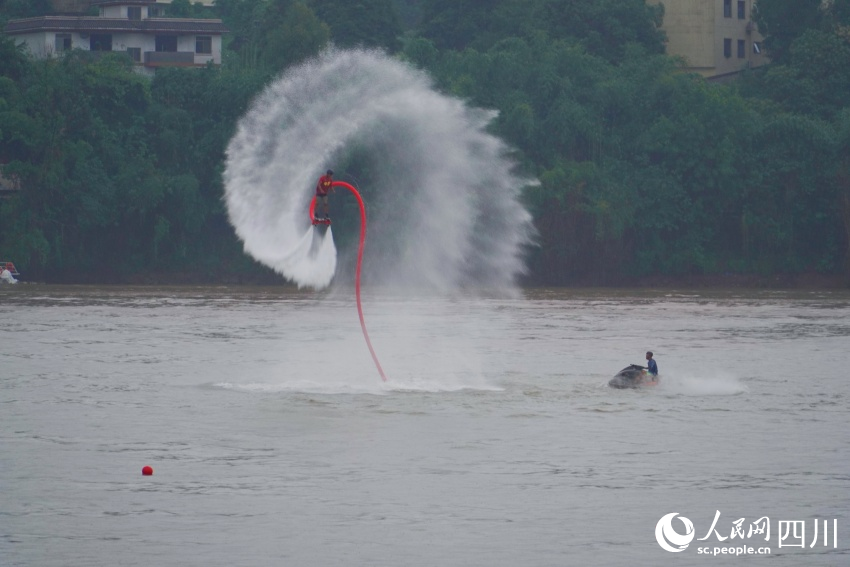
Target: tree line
x: 644, y: 169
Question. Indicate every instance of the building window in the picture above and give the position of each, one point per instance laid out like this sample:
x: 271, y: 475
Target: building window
x: 100, y: 42
x: 742, y: 48
x: 742, y: 10
x: 135, y: 54
x: 727, y: 47
x: 63, y: 42
x: 134, y: 12
x: 166, y: 43
x: 756, y: 48
x: 727, y: 8
x: 203, y: 44
x: 155, y: 12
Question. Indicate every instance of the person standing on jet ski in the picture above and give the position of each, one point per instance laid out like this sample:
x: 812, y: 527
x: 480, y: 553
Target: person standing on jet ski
x: 651, y: 366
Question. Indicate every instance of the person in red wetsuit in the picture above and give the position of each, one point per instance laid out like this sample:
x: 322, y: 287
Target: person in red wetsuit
x: 324, y: 185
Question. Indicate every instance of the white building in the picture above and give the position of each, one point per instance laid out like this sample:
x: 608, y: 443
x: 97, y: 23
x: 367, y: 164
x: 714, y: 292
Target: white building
x: 135, y: 27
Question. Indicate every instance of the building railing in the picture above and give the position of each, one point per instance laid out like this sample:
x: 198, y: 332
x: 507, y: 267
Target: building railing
x: 169, y: 58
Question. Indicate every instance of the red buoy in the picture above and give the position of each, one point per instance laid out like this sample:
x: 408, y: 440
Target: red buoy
x: 147, y: 471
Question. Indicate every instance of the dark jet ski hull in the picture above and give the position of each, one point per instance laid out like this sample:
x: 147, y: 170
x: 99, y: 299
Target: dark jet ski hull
x: 631, y: 376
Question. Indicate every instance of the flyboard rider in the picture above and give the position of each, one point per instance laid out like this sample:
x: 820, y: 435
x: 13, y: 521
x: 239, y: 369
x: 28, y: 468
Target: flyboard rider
x: 324, y: 185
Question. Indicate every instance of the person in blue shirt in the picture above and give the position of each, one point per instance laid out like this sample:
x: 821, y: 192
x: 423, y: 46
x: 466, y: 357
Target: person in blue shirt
x: 651, y: 366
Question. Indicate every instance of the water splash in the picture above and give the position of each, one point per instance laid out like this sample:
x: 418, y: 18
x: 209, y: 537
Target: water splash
x: 717, y: 384
x: 442, y: 195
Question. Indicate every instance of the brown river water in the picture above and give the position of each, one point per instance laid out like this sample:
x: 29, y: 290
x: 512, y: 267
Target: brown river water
x: 495, y: 440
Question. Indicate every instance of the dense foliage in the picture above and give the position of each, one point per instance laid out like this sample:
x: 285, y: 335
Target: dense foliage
x: 643, y: 169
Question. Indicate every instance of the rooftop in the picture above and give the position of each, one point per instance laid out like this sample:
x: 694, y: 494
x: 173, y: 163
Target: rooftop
x: 131, y: 2
x: 91, y: 23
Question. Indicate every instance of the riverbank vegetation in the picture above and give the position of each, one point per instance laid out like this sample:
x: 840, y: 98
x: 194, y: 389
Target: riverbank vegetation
x: 645, y: 170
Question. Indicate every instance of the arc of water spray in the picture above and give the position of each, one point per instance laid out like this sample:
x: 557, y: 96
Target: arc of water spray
x: 359, y: 262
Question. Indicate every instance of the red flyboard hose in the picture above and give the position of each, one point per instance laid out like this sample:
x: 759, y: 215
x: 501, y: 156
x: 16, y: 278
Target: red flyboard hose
x: 313, y: 209
x: 359, y: 263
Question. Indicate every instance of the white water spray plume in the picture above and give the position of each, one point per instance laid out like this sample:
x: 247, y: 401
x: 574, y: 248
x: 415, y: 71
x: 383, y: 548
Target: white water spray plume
x: 442, y: 195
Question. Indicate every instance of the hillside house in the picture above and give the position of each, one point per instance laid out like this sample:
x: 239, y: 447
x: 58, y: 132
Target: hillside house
x: 135, y: 27
x: 715, y: 38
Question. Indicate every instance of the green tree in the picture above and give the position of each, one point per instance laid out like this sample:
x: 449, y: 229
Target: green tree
x: 270, y: 35
x: 606, y: 27
x: 180, y: 9
x: 13, y: 60
x: 242, y: 18
x: 369, y: 23
x: 813, y: 73
x: 842, y: 181
x: 409, y: 12
x: 643, y: 169
x: 783, y: 21
x: 10, y: 9
x: 790, y: 213
x: 290, y: 33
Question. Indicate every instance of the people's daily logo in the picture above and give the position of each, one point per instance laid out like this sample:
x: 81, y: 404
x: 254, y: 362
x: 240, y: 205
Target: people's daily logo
x: 805, y: 534
x: 671, y: 540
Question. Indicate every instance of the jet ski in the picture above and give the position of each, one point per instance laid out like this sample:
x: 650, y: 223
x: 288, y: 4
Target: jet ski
x: 632, y: 376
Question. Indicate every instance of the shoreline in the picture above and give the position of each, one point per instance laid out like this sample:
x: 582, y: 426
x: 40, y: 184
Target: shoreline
x: 808, y: 281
